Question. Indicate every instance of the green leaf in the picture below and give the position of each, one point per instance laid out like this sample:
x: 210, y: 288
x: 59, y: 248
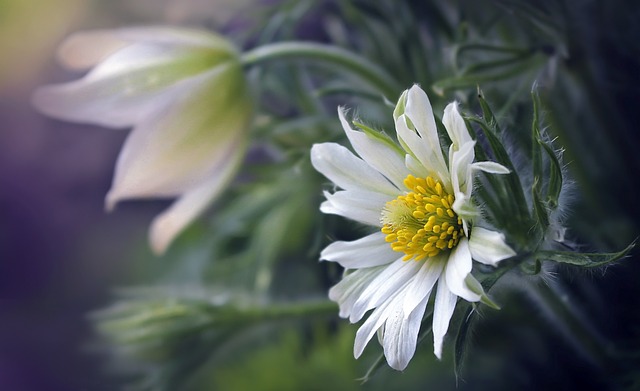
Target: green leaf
x: 539, y: 208
x: 508, y: 187
x: 583, y: 259
x: 554, y: 186
x: 499, y: 70
x: 536, y: 152
x: 460, y: 345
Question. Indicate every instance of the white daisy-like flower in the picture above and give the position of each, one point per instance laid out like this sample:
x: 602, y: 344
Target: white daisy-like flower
x: 183, y: 91
x: 423, y: 210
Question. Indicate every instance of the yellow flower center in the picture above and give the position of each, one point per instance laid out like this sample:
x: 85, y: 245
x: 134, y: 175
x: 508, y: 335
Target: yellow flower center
x: 421, y: 223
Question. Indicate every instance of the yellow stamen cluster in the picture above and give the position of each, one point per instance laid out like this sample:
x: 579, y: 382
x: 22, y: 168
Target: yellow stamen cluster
x: 421, y: 223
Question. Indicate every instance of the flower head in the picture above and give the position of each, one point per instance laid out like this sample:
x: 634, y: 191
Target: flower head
x: 422, y: 207
x: 184, y: 94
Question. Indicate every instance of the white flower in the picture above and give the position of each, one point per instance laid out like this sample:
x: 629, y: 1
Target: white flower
x: 184, y: 94
x: 422, y: 208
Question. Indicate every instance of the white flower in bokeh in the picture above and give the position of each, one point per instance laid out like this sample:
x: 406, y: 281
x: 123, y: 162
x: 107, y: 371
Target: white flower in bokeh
x: 183, y: 92
x: 422, y: 207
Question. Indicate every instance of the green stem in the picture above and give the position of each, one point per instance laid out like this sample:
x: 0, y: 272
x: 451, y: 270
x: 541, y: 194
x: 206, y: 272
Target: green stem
x: 276, y: 312
x: 328, y: 54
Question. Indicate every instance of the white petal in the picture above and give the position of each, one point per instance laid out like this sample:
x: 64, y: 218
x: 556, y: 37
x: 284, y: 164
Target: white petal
x: 416, y: 168
x: 84, y: 50
x: 170, y: 223
x: 423, y: 283
x: 186, y: 141
x: 431, y: 159
x: 419, y: 111
x: 490, y: 167
x: 489, y: 247
x: 456, y: 128
x: 443, y: 308
x: 349, y: 289
x: 457, y: 269
x: 377, y: 154
x: 123, y: 89
x: 361, y: 206
x: 171, y: 36
x: 390, y: 281
x: 377, y: 318
x: 401, y: 334
x: 348, y: 171
x: 372, y: 250
x: 460, y: 164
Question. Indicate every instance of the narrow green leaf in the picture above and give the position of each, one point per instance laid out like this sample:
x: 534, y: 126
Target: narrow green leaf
x: 460, y: 345
x: 583, y: 259
x: 554, y: 186
x: 539, y: 208
x: 473, y: 79
x: 512, y: 194
x: 536, y: 147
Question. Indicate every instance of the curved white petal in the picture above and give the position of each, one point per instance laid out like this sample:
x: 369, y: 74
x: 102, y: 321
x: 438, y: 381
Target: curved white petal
x: 123, y: 89
x: 443, y: 308
x: 418, y: 110
x: 348, y: 171
x: 457, y: 269
x: 186, y: 140
x: 377, y: 318
x: 423, y: 283
x: 490, y: 167
x: 361, y: 206
x: 172, y: 36
x: 489, y: 247
x: 418, y: 147
x: 456, y: 128
x: 83, y: 50
x: 417, y: 169
x: 401, y: 334
x: 369, y: 251
x: 391, y: 280
x: 349, y: 289
x: 170, y: 223
x: 460, y: 165
x: 380, y: 156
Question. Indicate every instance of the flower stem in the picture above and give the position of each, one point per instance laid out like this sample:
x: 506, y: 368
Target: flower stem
x: 328, y: 54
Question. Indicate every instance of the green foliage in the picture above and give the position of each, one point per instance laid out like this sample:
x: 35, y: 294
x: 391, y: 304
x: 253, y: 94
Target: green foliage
x: 259, y: 249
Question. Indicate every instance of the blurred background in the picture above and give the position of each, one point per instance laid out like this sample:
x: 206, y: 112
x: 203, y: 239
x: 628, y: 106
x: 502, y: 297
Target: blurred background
x: 62, y: 257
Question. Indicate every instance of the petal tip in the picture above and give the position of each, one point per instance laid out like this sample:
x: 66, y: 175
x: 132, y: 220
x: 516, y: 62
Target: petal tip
x: 110, y: 201
x: 161, y: 234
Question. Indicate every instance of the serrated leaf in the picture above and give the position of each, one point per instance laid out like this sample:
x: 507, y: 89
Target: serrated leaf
x: 582, y: 259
